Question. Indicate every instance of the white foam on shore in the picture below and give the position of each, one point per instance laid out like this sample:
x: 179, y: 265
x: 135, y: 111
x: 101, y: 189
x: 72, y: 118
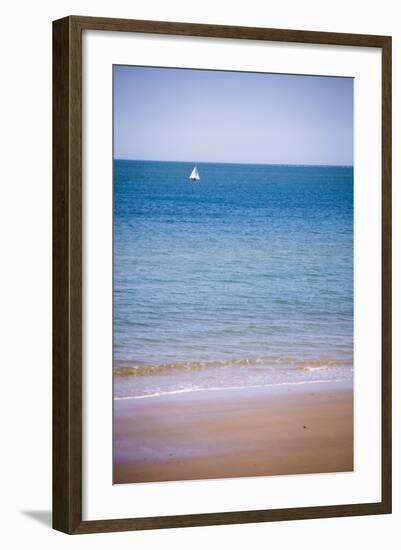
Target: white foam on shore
x: 323, y: 367
x: 193, y: 390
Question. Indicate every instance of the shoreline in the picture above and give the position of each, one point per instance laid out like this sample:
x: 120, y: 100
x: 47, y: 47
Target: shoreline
x: 268, y: 430
x: 272, y: 386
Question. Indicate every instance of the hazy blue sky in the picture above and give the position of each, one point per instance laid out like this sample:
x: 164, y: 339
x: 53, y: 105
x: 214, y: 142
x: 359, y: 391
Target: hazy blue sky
x: 216, y: 116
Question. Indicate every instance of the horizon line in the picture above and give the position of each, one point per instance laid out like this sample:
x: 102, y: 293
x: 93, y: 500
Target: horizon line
x: 227, y: 162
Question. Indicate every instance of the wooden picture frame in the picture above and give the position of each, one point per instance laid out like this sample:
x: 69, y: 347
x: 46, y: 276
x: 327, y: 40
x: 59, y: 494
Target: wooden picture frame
x: 67, y: 274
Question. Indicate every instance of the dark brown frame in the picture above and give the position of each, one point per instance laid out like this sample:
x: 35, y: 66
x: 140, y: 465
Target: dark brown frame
x: 67, y: 275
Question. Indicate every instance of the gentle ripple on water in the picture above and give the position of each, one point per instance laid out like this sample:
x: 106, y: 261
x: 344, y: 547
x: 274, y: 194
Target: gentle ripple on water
x: 252, y: 262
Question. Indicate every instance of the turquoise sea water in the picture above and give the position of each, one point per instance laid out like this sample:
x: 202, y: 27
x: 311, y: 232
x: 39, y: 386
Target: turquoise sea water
x: 244, y: 278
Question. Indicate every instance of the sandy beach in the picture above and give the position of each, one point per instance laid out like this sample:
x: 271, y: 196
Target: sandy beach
x: 289, y: 429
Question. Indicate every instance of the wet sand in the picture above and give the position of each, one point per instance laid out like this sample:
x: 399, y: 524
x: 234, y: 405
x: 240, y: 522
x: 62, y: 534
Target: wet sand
x: 294, y: 429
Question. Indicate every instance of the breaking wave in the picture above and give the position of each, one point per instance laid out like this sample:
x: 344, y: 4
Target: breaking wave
x: 140, y: 369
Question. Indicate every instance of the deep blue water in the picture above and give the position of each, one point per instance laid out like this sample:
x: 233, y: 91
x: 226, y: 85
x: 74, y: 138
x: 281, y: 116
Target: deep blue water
x: 243, y: 278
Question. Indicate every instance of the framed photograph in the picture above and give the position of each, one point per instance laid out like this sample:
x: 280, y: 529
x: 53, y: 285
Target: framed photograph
x: 222, y: 274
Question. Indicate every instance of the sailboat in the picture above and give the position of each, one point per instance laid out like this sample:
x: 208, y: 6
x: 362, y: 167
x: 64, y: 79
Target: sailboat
x: 194, y: 176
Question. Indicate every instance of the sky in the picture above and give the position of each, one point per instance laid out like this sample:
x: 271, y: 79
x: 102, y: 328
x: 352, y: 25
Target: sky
x: 221, y: 116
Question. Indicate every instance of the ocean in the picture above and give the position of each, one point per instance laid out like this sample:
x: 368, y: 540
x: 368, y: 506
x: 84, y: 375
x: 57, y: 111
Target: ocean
x: 242, y: 279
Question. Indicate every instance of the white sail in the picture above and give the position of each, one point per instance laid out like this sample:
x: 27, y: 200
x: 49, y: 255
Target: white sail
x: 194, y: 174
